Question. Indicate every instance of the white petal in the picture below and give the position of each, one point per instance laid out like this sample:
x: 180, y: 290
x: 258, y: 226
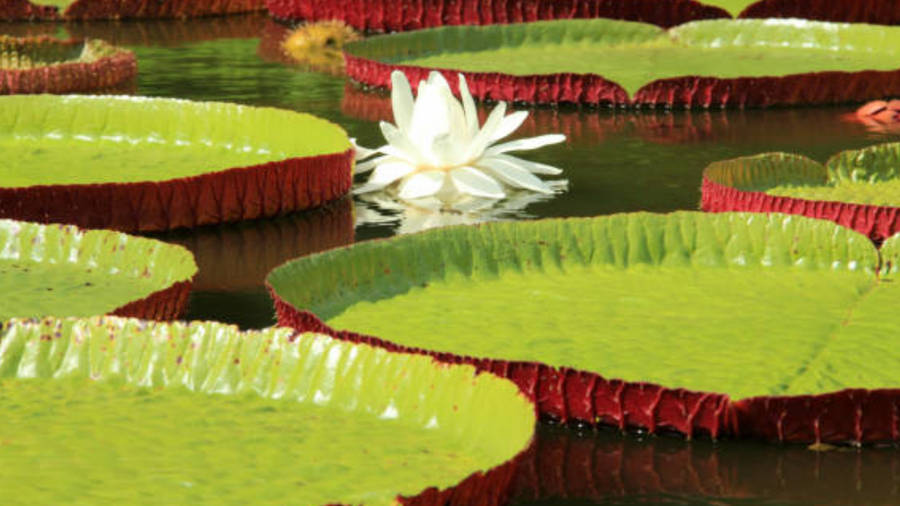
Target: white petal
x: 360, y: 152
x: 399, y: 140
x: 509, y: 125
x: 423, y: 184
x: 483, y: 139
x: 514, y: 175
x: 366, y: 188
x: 435, y: 78
x: 430, y: 120
x: 401, y: 99
x: 525, y: 144
x: 388, y: 172
x: 370, y: 164
x: 533, y: 167
x: 398, y: 153
x: 468, y: 106
x: 474, y: 182
x: 473, y: 204
x: 447, y: 151
x: 427, y: 204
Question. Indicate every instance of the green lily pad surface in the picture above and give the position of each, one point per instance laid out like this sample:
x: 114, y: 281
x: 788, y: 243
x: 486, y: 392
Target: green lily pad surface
x: 116, y: 410
x: 63, y: 271
x: 742, y: 304
x: 868, y: 176
x: 48, y: 140
x: 636, y: 54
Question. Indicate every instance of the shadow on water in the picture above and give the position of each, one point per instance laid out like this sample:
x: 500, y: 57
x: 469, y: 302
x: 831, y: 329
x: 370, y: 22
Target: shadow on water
x: 233, y: 260
x: 615, y: 161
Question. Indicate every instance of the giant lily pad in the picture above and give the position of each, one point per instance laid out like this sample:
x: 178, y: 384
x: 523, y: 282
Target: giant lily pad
x: 13, y: 10
x: 63, y: 271
x: 109, y: 409
x: 742, y: 324
x: 49, y: 65
x: 154, y: 164
x: 399, y: 15
x: 718, y: 63
x: 859, y: 189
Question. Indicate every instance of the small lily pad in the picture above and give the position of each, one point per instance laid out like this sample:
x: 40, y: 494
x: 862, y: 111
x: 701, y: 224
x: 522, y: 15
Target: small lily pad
x: 859, y: 189
x: 717, y: 63
x: 679, y: 313
x: 63, y: 271
x: 202, y: 410
x: 132, y: 163
x: 48, y: 65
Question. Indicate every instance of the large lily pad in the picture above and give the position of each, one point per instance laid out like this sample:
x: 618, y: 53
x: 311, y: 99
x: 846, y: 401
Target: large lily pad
x: 205, y: 412
x: 400, y: 15
x: 13, y: 10
x: 859, y: 189
x: 63, y: 271
x: 687, y: 312
x: 153, y: 164
x: 718, y: 63
x: 48, y: 65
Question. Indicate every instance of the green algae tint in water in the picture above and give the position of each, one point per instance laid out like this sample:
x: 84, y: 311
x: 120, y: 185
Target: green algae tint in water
x: 80, y: 441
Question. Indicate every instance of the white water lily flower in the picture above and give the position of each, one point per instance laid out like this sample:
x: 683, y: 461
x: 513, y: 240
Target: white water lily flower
x: 436, y: 147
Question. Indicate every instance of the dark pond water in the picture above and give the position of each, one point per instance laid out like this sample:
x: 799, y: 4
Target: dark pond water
x: 615, y: 161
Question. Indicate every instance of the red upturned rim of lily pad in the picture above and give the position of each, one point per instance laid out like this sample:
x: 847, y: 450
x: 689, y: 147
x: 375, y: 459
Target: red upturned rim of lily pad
x: 163, y: 305
x: 725, y: 188
x: 881, y: 12
x: 687, y: 92
x: 403, y: 15
x: 569, y: 395
x: 264, y: 190
x: 245, y: 193
x: 115, y: 67
x: 24, y: 10
x: 564, y: 394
